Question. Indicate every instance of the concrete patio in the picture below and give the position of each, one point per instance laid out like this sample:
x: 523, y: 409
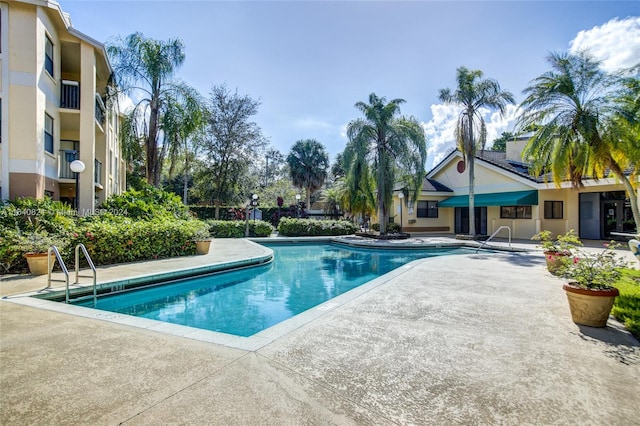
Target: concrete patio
x: 466, y: 339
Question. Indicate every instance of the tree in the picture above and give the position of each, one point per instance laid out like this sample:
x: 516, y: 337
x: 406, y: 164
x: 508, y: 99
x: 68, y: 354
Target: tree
x: 577, y: 106
x: 393, y: 146
x: 232, y: 145
x: 182, y: 122
x: 474, y: 94
x: 308, y: 166
x: 500, y: 144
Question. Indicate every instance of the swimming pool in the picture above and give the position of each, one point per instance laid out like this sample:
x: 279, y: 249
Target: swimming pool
x: 245, y: 302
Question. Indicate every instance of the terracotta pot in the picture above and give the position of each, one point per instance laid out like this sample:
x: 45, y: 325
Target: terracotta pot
x: 554, y: 260
x: 202, y: 247
x: 38, y: 263
x: 590, y: 306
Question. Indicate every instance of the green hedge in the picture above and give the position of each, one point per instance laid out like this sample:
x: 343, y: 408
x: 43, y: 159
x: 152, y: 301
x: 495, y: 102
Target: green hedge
x: 128, y: 240
x: 236, y: 228
x: 392, y: 227
x: 627, y: 305
x: 290, y: 227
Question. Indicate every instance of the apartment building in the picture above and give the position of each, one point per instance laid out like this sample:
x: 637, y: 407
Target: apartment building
x: 55, y: 109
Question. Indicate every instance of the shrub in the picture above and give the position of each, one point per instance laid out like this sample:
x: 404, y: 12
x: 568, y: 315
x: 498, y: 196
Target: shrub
x: 392, y: 227
x: 627, y: 305
x: 309, y: 227
x: 30, y: 214
x: 127, y: 240
x: 236, y: 228
x: 147, y: 203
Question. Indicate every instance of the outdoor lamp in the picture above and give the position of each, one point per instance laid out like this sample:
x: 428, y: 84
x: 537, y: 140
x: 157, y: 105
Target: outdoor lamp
x: 401, y: 197
x: 77, y: 167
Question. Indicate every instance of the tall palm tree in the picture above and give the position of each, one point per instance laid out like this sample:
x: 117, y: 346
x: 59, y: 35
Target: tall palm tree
x: 474, y: 95
x: 576, y: 106
x: 182, y: 121
x: 393, y: 147
x: 308, y: 166
x: 144, y: 69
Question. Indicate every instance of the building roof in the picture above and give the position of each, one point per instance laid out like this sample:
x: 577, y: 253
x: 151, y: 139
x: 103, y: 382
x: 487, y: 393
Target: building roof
x: 431, y: 185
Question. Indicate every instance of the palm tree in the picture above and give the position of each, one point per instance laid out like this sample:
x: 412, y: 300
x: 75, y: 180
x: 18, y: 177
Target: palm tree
x: 393, y: 146
x: 308, y: 166
x: 144, y: 69
x: 182, y: 121
x: 579, y: 109
x: 474, y: 94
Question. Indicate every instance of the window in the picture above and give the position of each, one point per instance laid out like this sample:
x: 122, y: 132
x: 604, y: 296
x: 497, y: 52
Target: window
x: 48, y: 55
x: 428, y: 209
x: 48, y: 133
x: 515, y: 212
x: 553, y: 210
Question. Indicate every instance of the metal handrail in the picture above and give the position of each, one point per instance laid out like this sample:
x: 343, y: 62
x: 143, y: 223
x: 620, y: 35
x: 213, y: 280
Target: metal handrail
x: 493, y: 235
x: 62, y: 266
x: 93, y: 268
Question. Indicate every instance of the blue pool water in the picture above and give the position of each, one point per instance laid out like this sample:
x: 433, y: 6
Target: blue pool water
x: 247, y: 301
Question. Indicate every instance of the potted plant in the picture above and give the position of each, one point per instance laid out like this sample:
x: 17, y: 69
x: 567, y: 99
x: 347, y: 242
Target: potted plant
x: 590, y: 289
x: 556, y: 251
x: 202, y: 238
x: 35, y: 245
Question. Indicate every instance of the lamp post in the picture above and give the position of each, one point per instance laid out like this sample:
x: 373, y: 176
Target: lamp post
x: 254, y: 203
x: 401, y: 197
x: 298, y: 204
x: 76, y: 167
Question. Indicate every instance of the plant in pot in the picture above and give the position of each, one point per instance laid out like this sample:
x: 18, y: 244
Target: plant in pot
x: 590, y: 289
x: 35, y: 245
x: 557, y: 251
x: 202, y: 238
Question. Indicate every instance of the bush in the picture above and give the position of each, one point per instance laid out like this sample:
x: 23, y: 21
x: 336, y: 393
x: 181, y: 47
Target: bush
x: 29, y: 214
x: 236, y: 228
x: 127, y: 240
x: 147, y: 203
x: 392, y: 227
x: 309, y: 227
x: 627, y: 305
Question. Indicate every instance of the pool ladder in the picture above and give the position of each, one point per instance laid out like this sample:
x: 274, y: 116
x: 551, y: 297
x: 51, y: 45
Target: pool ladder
x: 493, y: 235
x: 79, y: 247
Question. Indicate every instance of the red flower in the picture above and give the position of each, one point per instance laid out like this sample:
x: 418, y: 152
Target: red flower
x: 576, y: 260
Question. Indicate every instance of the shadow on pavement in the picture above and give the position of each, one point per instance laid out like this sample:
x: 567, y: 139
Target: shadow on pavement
x: 620, y: 344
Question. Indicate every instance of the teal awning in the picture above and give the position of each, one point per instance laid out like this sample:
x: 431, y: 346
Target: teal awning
x: 517, y: 198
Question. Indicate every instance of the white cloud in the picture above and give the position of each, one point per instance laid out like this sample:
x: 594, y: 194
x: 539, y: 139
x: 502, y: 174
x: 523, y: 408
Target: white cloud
x: 312, y: 124
x: 125, y: 103
x: 616, y: 43
x: 441, y: 128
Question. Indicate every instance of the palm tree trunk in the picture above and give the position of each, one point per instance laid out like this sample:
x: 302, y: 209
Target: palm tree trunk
x: 308, y: 199
x: 471, y: 158
x: 472, y: 202
x: 381, y: 194
x: 152, y: 144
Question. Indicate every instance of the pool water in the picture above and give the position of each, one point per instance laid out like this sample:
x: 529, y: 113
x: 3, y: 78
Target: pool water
x: 247, y: 301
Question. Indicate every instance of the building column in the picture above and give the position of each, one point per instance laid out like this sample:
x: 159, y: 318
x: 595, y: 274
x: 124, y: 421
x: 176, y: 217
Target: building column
x: 87, y: 127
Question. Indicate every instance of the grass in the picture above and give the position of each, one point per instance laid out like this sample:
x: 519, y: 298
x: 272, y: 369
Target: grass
x: 627, y: 306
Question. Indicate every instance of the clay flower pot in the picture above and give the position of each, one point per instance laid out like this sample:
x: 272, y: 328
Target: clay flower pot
x: 590, y: 306
x: 554, y: 260
x: 38, y: 263
x: 202, y: 246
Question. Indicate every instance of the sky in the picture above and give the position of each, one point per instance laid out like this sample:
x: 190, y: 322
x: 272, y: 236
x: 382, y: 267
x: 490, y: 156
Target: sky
x: 309, y: 62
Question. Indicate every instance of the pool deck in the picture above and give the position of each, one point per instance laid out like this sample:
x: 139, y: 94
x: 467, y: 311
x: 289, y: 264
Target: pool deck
x: 468, y: 339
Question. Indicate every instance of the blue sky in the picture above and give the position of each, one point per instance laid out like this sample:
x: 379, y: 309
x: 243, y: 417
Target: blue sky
x: 310, y: 62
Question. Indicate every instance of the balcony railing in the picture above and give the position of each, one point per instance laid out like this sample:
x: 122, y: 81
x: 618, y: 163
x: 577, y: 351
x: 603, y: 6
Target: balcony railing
x: 70, y: 94
x: 97, y: 172
x: 100, y: 111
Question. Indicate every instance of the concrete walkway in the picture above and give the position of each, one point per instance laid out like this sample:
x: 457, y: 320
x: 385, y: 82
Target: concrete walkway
x: 468, y: 339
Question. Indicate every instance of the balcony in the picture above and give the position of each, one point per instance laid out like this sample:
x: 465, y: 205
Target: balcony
x: 70, y: 94
x: 97, y: 173
x: 64, y: 171
x: 100, y: 112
